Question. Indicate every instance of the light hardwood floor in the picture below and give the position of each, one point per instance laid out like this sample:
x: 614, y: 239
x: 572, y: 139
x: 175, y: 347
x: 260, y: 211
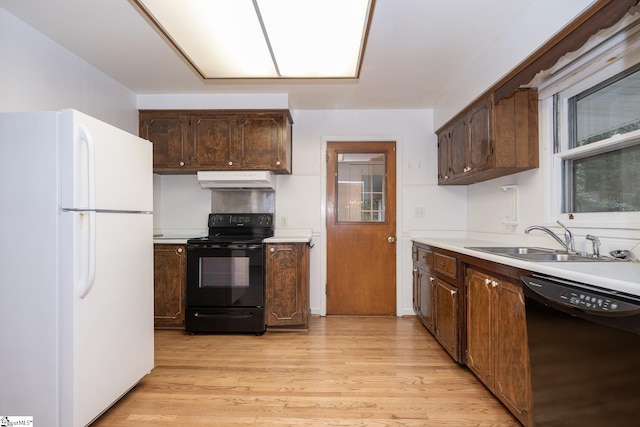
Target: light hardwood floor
x: 346, y: 371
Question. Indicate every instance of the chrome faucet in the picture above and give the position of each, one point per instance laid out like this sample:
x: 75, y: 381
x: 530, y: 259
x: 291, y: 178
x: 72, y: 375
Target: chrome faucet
x: 568, y: 237
x: 596, y: 245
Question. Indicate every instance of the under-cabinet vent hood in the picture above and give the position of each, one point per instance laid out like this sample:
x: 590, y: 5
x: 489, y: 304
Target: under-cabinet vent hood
x: 237, y: 180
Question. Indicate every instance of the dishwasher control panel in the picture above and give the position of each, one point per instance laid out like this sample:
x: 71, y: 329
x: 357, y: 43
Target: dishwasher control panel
x: 581, y: 296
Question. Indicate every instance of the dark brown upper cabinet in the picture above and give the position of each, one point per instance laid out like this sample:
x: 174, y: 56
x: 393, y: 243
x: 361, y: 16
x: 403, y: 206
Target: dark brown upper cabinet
x: 489, y: 140
x: 186, y: 141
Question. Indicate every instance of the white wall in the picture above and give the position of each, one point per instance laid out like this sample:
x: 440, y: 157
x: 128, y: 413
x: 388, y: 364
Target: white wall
x: 541, y: 21
x: 39, y: 74
x: 300, y: 197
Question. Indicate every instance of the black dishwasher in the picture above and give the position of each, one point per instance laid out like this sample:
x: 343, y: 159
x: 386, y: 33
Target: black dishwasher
x: 584, y: 349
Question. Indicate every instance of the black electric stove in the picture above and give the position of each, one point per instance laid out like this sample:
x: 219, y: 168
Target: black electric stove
x: 225, y: 275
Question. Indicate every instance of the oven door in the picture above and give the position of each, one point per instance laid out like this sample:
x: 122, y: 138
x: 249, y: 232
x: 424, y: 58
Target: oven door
x: 225, y: 276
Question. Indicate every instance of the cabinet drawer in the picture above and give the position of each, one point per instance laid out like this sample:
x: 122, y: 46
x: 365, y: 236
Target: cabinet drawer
x: 445, y: 264
x: 423, y: 256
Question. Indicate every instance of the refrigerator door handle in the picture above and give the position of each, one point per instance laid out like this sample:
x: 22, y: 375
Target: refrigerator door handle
x: 85, y: 137
x: 87, y: 282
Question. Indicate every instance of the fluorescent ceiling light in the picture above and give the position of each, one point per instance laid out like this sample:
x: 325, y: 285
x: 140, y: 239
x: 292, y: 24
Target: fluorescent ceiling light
x: 225, y: 39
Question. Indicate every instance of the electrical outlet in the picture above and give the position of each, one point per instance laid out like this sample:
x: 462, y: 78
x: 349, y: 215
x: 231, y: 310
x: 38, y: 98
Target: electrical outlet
x: 419, y: 213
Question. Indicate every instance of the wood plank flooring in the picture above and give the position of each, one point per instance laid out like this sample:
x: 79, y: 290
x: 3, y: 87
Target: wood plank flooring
x: 346, y: 371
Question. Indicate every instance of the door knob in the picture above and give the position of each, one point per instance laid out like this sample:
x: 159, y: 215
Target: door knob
x: 391, y: 239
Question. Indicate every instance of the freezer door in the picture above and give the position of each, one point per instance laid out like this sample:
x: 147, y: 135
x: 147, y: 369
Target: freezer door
x: 103, y: 167
x: 106, y: 321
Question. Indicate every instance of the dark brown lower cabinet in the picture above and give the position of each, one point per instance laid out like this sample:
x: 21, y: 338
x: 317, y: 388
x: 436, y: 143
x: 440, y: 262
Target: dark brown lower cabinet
x: 497, y: 349
x: 436, y: 296
x: 168, y: 285
x: 287, y: 286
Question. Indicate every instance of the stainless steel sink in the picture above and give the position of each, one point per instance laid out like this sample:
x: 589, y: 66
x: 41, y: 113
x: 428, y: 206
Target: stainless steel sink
x: 539, y: 254
x: 517, y: 250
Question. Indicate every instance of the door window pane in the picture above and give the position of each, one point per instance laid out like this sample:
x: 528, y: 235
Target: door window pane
x: 361, y: 187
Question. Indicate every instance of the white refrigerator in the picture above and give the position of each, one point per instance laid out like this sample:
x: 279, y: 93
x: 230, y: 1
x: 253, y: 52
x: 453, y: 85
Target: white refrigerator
x: 76, y: 266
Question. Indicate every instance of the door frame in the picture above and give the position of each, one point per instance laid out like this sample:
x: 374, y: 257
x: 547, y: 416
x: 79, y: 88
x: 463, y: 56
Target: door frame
x: 400, y: 238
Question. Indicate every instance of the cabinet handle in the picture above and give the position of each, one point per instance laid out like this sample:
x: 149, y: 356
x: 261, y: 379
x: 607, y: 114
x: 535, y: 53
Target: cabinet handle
x: 179, y: 250
x: 181, y: 163
x: 415, y: 269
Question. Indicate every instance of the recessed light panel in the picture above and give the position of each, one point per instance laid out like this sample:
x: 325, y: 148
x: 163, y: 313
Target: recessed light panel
x: 265, y: 38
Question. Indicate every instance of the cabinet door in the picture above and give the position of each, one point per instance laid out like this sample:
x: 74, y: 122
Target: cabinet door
x: 416, y: 290
x: 512, y: 378
x: 480, y: 326
x: 479, y: 142
x: 426, y: 300
x: 446, y: 316
x: 287, y: 285
x: 169, y: 134
x: 214, y: 137
x: 444, y: 161
x: 262, y: 141
x: 457, y: 149
x: 169, y: 281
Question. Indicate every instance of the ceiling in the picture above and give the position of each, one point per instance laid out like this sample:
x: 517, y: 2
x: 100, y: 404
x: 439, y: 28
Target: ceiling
x: 417, y: 51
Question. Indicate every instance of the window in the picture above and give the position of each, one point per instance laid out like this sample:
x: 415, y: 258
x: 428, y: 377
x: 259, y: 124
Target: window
x: 361, y: 187
x: 607, y: 177
x: 590, y: 130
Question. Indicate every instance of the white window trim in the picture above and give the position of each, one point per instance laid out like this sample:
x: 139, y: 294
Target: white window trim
x: 608, y: 53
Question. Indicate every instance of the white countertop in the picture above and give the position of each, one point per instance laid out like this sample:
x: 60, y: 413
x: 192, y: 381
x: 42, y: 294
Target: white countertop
x: 290, y: 236
x: 621, y: 276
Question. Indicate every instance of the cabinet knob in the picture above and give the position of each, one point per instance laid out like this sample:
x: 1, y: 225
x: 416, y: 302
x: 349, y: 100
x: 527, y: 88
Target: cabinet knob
x: 181, y: 163
x: 487, y: 281
x: 494, y: 283
x: 230, y: 163
x: 431, y: 279
x: 179, y: 250
x: 272, y: 250
x: 278, y: 163
x: 446, y: 177
x: 452, y: 292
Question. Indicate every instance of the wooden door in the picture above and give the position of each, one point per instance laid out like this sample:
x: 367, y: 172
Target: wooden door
x: 169, y: 134
x: 361, y: 228
x: 286, y: 284
x: 512, y: 376
x: 214, y: 137
x: 479, y: 142
x: 480, y: 326
x: 169, y: 263
x: 446, y: 316
x: 457, y: 149
x: 262, y: 138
